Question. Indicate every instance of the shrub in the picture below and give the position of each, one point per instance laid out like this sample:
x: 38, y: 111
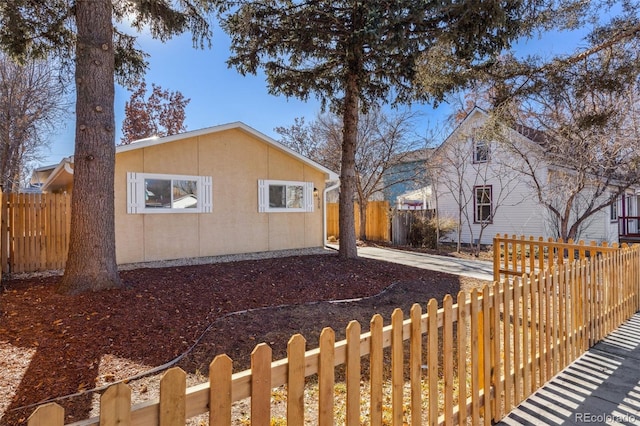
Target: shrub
x: 422, y: 233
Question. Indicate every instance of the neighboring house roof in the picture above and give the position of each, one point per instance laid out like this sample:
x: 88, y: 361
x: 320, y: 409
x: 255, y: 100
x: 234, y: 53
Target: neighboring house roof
x: 63, y: 172
x: 41, y: 174
x: 421, y: 154
x: 60, y: 177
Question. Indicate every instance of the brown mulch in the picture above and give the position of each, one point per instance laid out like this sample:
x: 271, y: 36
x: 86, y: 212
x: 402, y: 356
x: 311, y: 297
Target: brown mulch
x: 53, y: 345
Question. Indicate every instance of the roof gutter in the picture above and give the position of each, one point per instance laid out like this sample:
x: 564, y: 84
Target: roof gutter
x: 324, y: 213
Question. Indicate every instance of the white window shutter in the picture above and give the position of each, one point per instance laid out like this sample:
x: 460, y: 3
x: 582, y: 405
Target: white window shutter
x: 206, y: 194
x: 308, y: 196
x: 135, y: 193
x: 263, y: 196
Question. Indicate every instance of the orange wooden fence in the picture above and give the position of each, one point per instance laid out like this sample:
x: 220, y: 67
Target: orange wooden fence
x: 377, y: 220
x: 466, y: 362
x: 515, y: 256
x: 34, y: 232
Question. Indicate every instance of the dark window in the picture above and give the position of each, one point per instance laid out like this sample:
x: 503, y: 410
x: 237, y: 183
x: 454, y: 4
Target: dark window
x: 481, y: 151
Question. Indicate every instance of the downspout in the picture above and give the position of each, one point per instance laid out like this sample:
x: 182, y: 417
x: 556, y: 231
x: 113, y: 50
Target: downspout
x: 324, y: 212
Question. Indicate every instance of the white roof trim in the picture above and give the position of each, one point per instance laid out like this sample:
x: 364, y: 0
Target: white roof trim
x: 148, y: 142
x: 64, y: 165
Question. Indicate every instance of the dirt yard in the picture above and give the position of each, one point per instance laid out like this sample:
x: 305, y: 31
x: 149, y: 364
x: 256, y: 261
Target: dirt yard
x: 52, y: 346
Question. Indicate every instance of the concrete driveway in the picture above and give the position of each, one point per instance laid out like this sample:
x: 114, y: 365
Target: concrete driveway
x: 479, y: 269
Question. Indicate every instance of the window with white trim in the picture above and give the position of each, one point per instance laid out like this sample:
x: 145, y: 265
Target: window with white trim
x: 280, y: 196
x: 483, y: 201
x: 160, y: 193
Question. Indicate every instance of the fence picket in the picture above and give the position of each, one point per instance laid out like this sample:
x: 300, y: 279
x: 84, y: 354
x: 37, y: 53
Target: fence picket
x: 415, y: 364
x: 496, y: 355
x: 173, y: 388
x: 462, y: 332
x: 326, y: 377
x: 220, y: 396
x: 475, y: 362
x: 376, y: 360
x: 517, y: 351
x: 295, y: 380
x: 432, y: 360
x: 353, y: 372
x: 485, y: 366
x: 447, y: 357
x: 397, y: 364
x: 534, y: 330
x: 261, y: 385
x: 47, y: 415
x: 115, y: 406
x: 506, y: 323
x: 526, y: 355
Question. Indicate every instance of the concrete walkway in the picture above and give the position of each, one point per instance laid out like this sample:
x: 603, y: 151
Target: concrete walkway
x: 600, y: 387
x: 479, y: 269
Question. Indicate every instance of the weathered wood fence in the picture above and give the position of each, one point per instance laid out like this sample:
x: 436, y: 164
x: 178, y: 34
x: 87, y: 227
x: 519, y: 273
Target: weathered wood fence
x: 468, y: 361
x: 377, y: 220
x: 515, y: 256
x: 34, y: 231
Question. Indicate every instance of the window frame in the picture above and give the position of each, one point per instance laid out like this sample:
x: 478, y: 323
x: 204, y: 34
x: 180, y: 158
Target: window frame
x: 613, y: 210
x: 481, y: 146
x: 476, y: 205
x: 263, y: 196
x: 136, y: 197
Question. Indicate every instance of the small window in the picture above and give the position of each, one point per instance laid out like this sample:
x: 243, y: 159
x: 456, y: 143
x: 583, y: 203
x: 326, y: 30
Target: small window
x: 157, y: 193
x: 613, y: 211
x: 285, y: 196
x: 483, y: 204
x: 481, y: 151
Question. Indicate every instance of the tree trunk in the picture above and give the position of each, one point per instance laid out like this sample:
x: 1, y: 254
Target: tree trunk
x: 91, y: 262
x: 348, y: 248
x: 363, y: 219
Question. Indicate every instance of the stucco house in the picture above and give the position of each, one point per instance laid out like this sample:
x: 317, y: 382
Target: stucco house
x: 478, y: 183
x: 221, y: 190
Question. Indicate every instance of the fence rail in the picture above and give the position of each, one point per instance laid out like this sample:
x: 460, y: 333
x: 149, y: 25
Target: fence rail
x: 515, y: 256
x: 471, y: 361
x: 34, y: 231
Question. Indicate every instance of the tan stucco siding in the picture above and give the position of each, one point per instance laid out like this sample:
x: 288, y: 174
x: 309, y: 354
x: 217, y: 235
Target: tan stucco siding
x: 236, y: 161
x: 129, y: 227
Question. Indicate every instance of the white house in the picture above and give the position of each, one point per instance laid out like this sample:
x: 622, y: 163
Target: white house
x: 482, y: 183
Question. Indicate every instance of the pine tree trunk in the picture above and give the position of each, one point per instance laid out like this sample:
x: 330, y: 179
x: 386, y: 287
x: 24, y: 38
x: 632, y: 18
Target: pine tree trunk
x: 348, y: 248
x: 91, y: 262
x: 363, y: 219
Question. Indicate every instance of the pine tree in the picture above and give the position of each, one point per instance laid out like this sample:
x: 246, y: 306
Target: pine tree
x: 354, y: 54
x: 82, y: 33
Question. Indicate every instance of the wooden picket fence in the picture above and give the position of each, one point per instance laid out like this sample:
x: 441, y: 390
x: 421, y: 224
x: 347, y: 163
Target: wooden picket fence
x: 515, y: 256
x: 34, y: 232
x: 468, y: 362
x: 377, y: 220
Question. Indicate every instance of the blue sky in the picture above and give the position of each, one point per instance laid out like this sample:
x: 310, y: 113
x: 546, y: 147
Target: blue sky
x: 221, y: 95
